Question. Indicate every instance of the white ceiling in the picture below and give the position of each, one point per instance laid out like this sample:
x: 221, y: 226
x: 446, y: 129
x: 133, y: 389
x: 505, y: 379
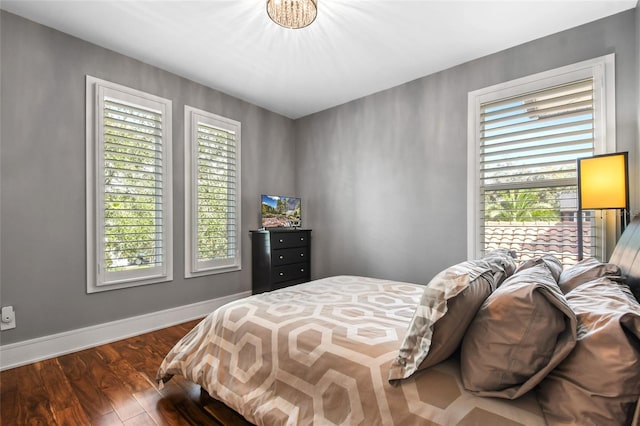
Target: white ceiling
x: 353, y: 49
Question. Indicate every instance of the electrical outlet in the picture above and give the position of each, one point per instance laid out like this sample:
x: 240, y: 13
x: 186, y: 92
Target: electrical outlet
x: 7, y: 318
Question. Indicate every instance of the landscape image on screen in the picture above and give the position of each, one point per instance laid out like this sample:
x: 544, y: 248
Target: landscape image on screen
x: 280, y: 212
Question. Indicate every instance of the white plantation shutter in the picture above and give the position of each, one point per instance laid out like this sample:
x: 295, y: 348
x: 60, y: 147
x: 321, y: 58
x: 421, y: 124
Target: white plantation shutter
x: 528, y: 150
x: 536, y: 138
x: 216, y: 193
x: 131, y: 177
x: 213, y: 193
x: 526, y: 138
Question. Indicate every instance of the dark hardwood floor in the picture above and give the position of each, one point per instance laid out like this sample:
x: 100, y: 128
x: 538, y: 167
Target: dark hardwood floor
x: 112, y: 384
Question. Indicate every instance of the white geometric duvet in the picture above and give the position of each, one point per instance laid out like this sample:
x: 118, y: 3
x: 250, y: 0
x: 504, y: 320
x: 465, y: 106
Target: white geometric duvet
x: 319, y: 353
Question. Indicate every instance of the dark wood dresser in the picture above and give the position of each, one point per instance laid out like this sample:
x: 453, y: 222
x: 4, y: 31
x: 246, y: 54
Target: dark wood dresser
x: 279, y: 258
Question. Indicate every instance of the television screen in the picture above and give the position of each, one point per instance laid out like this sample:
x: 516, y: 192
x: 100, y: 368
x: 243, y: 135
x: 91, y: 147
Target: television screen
x: 280, y: 212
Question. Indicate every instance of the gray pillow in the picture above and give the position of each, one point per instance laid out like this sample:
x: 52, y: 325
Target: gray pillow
x: 601, y: 376
x: 523, y: 330
x: 585, y: 271
x: 553, y: 264
x: 446, y: 308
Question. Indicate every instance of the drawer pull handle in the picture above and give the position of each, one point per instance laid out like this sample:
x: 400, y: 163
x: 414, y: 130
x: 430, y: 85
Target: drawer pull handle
x: 281, y: 257
x: 282, y: 274
x: 301, y: 269
x: 301, y: 238
x: 301, y: 254
x: 281, y: 240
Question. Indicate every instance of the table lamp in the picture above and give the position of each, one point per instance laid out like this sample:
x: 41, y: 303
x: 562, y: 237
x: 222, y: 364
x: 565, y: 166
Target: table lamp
x: 603, y: 183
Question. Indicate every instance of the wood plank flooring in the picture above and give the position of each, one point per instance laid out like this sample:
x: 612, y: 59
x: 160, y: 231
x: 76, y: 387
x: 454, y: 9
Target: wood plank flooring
x: 112, y: 384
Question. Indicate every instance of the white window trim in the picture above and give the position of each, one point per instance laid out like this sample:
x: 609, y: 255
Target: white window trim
x: 95, y: 275
x: 602, y: 70
x: 193, y: 268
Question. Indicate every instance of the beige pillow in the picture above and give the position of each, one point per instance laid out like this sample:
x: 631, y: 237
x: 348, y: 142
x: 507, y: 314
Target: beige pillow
x: 520, y: 333
x: 584, y: 271
x: 446, y: 308
x: 552, y: 262
x: 600, y: 380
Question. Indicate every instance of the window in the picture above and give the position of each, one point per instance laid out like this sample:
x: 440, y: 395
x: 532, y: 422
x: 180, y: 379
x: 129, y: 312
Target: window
x: 524, y: 139
x: 212, y: 192
x: 129, y: 204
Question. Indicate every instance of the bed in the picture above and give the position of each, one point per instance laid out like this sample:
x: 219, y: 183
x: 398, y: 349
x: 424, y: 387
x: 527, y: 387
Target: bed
x: 357, y: 350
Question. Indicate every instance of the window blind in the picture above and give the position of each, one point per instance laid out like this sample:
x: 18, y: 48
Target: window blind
x: 133, y: 186
x: 217, y: 227
x: 528, y: 149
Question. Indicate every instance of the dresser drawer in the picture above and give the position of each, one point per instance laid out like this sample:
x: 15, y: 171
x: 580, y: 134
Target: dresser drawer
x: 287, y: 256
x: 289, y: 272
x: 288, y: 239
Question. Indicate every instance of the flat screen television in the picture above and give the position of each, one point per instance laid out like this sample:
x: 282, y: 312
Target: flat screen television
x: 277, y: 211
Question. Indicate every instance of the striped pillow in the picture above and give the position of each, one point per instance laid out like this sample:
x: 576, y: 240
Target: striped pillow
x: 447, y: 307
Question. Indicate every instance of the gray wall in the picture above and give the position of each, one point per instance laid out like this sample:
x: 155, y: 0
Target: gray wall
x: 43, y: 180
x: 385, y: 176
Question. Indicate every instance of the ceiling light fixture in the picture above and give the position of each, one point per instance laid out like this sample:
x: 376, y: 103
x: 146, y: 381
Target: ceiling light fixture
x: 292, y: 13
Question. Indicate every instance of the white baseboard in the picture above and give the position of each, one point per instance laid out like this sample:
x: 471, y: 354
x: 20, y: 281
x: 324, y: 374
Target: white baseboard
x: 33, y: 350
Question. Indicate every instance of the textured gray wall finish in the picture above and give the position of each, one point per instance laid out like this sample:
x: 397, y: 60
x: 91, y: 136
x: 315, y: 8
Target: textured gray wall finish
x: 383, y: 178
x: 43, y: 180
